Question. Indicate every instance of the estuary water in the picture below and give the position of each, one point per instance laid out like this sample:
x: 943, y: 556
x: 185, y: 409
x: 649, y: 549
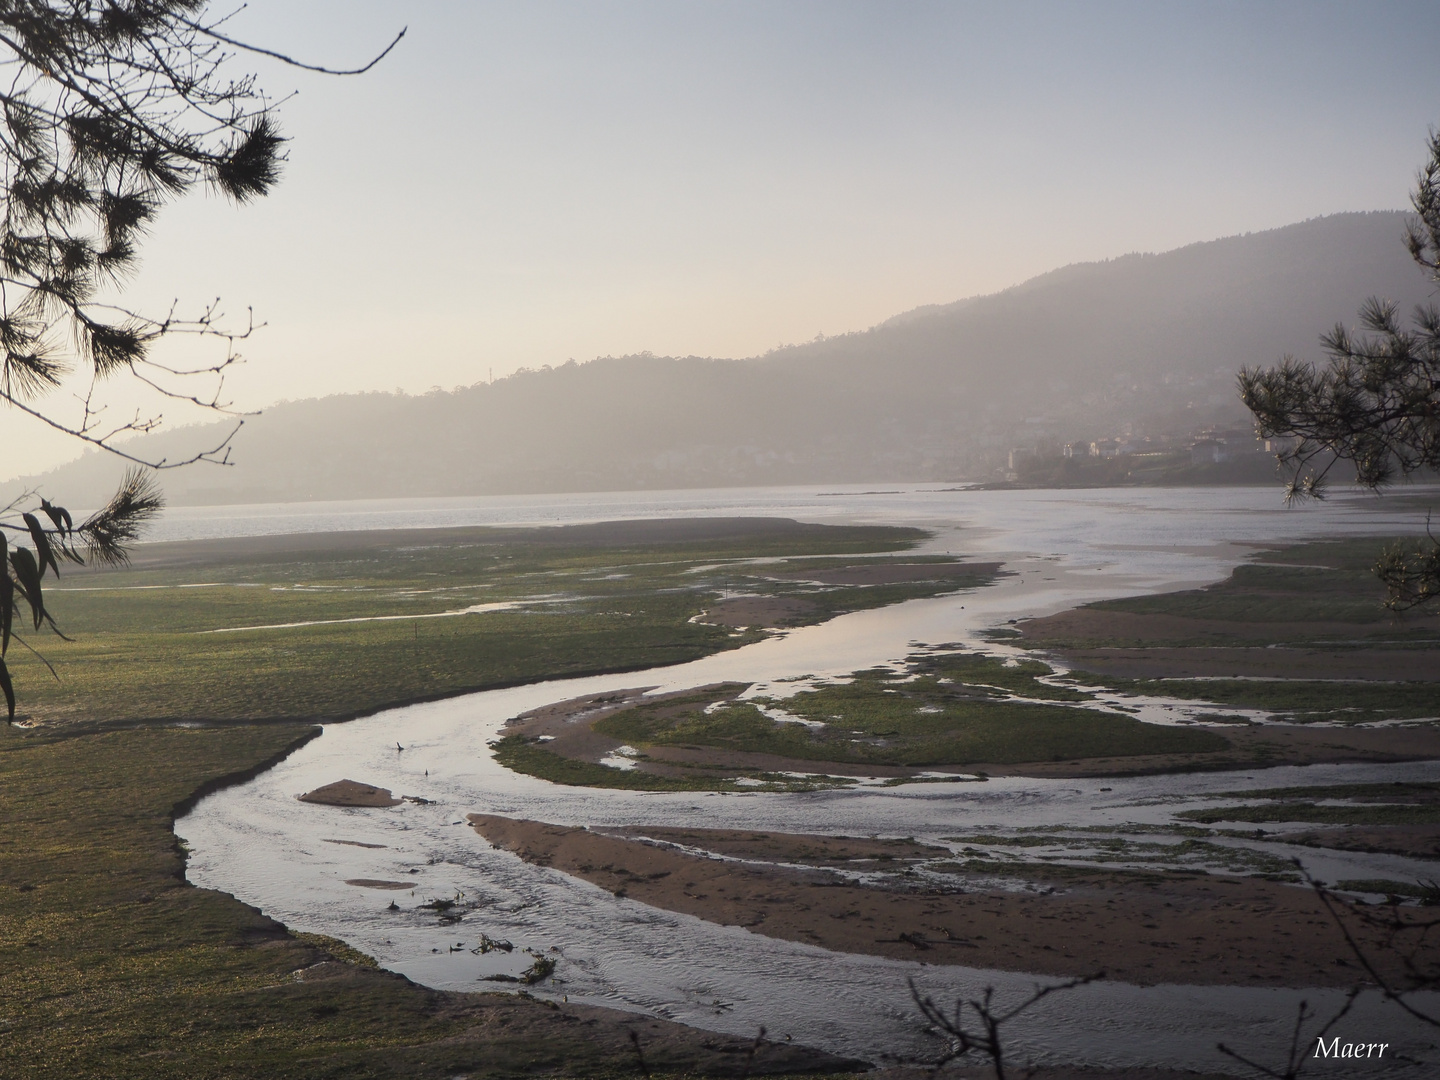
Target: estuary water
x: 292, y: 859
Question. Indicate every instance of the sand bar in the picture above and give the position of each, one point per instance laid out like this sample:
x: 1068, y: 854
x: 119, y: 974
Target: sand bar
x: 1140, y: 929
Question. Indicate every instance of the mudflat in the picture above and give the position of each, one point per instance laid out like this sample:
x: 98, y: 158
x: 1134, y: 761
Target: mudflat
x: 1139, y: 928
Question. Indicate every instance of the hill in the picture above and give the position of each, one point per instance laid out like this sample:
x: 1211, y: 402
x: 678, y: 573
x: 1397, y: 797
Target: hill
x: 1138, y: 345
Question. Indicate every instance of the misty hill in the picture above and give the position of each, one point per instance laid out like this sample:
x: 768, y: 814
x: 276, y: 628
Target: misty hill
x: 1145, y: 343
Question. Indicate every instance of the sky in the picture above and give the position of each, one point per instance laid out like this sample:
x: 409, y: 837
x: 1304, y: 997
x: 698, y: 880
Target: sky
x: 523, y: 183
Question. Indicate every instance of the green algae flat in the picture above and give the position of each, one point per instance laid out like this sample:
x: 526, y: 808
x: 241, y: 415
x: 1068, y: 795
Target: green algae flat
x: 947, y: 710
x: 332, y: 627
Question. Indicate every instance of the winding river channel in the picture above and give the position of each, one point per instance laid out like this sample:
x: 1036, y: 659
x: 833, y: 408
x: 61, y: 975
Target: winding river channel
x: 292, y: 859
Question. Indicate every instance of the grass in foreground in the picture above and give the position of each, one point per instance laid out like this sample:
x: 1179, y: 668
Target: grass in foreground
x: 112, y: 967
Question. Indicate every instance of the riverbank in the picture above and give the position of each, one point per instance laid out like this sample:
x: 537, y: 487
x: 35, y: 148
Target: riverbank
x: 112, y: 966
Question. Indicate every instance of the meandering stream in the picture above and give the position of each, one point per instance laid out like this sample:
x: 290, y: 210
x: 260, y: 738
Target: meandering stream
x: 291, y: 859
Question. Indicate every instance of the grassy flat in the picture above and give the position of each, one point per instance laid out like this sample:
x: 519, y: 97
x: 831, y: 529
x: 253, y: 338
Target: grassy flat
x: 112, y: 966
x: 1320, y: 592
x: 947, y: 710
x: 882, y: 721
x: 1299, y: 634
x: 1295, y: 701
x: 308, y: 628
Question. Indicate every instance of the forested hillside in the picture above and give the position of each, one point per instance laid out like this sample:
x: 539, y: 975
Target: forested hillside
x: 1142, y: 344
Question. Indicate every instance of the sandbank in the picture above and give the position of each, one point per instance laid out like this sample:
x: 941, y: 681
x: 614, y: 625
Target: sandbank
x: 350, y: 793
x: 1143, y: 929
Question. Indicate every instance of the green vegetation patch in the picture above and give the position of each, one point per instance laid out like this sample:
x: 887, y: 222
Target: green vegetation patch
x: 525, y: 755
x: 1301, y: 593
x: 1021, y: 678
x: 883, y: 719
x: 289, y: 628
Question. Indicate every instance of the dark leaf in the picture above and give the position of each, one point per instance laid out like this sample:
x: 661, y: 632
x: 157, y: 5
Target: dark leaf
x: 27, y: 577
x: 113, y: 347
x: 9, y: 689
x: 42, y: 544
x: 7, y: 599
x: 30, y: 374
x: 59, y: 515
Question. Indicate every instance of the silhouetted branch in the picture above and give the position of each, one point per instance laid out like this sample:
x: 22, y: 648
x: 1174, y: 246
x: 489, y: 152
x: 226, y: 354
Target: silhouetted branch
x: 1420, y: 961
x: 210, y: 31
x: 986, y: 1039
x: 1299, y: 1044
x: 1374, y: 404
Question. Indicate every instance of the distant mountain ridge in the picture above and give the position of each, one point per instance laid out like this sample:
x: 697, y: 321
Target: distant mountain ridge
x: 1149, y: 343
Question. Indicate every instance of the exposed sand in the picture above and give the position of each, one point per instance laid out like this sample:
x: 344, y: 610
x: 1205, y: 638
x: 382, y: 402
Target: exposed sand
x: 350, y: 793
x: 761, y: 611
x: 1145, y: 930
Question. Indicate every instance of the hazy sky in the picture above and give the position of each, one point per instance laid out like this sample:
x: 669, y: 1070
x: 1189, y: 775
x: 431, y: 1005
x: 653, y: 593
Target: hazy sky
x: 525, y: 182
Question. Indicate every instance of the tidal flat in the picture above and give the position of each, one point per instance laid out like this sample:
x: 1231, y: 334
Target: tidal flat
x: 939, y: 711
x: 329, y: 626
x: 725, y: 573
x: 205, y: 662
